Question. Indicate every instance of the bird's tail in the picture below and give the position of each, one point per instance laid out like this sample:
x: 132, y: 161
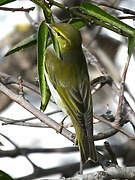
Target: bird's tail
x: 86, y: 147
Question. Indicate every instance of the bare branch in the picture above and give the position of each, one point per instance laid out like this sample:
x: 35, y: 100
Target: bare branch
x: 8, y: 121
x: 9, y: 140
x: 17, y: 9
x: 26, y: 151
x: 113, y: 125
x: 121, y: 92
x: 109, y: 174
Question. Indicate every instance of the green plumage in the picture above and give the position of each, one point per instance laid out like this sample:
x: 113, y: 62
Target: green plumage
x: 69, y: 77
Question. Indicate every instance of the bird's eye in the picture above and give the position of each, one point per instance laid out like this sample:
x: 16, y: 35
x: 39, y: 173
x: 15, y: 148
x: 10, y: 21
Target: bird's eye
x: 58, y: 34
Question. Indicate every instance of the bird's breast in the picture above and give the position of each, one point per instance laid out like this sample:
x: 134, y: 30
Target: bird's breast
x: 55, y: 94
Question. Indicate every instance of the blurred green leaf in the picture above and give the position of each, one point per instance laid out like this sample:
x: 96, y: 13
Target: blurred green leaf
x: 4, y: 176
x: 111, y: 21
x: 43, y: 35
x: 97, y: 12
x: 78, y: 23
x: 2, y: 2
x: 55, y: 44
x: 106, y: 20
x: 1, y: 144
x: 23, y: 44
x: 131, y: 45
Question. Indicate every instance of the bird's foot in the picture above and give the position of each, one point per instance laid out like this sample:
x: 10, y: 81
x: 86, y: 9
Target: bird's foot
x: 61, y: 124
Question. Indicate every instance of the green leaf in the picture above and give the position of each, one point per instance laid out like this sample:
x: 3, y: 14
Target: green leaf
x: 107, y: 19
x: 4, y: 176
x: 2, y: 2
x: 42, y: 45
x: 23, y: 44
x: 55, y: 44
x: 112, y: 21
x: 1, y: 144
x: 78, y: 23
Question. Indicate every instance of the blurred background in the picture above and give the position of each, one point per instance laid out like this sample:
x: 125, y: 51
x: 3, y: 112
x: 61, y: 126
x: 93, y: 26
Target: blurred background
x: 108, y: 47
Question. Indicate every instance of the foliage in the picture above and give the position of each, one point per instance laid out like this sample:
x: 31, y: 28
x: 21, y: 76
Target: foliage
x: 92, y: 12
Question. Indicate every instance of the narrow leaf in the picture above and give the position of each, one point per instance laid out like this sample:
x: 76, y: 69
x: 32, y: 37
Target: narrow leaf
x: 1, y: 144
x: 55, y: 44
x: 42, y: 45
x: 105, y: 17
x: 2, y: 2
x: 23, y: 44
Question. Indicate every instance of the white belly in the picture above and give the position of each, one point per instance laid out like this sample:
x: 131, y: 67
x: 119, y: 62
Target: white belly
x: 55, y: 94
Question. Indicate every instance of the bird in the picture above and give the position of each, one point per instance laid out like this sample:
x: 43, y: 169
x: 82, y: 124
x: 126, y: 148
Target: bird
x: 69, y: 83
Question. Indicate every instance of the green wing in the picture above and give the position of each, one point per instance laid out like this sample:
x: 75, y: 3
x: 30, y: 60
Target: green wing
x: 77, y: 104
x: 71, y: 81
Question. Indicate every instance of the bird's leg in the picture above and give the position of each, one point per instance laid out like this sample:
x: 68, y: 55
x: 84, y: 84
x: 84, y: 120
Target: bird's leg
x: 61, y: 124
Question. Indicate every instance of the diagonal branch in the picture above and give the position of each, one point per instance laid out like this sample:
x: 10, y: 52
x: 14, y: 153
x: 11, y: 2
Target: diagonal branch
x: 113, y: 125
x: 48, y: 121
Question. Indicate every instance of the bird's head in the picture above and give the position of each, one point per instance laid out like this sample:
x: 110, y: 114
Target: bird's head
x: 68, y: 37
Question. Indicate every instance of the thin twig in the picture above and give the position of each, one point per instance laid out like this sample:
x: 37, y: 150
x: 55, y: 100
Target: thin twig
x: 99, y: 82
x: 27, y: 151
x: 20, y: 83
x: 14, y: 144
x: 17, y: 9
x: 17, y: 148
x: 121, y: 92
x: 113, y: 125
x: 8, y: 79
x: 126, y: 17
x: 96, y: 137
x: 26, y: 124
x: 94, y: 61
x: 11, y: 121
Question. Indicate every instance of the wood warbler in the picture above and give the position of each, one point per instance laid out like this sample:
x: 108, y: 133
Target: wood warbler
x: 69, y: 83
